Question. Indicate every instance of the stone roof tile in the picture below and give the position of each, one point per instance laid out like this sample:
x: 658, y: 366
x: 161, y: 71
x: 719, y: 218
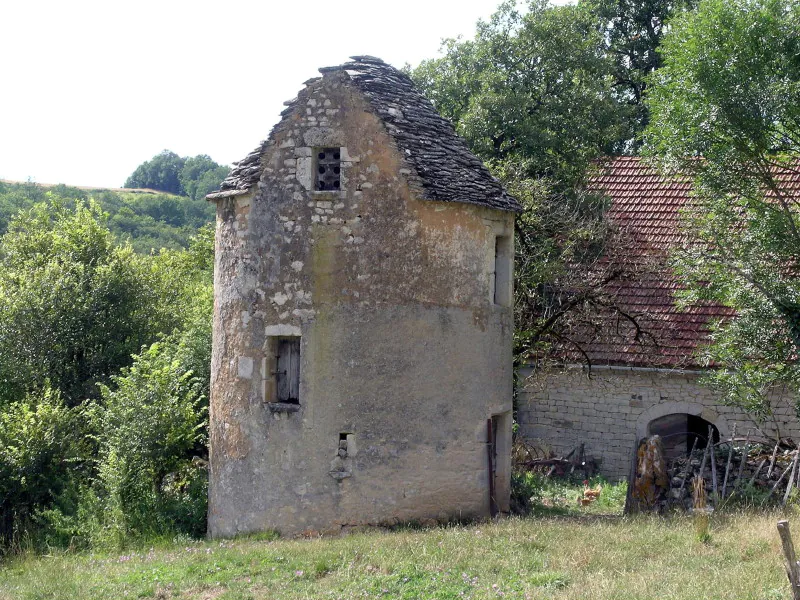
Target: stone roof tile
x: 445, y: 168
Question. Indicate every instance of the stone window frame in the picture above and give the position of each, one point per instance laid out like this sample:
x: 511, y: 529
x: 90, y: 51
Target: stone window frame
x: 269, y: 366
x: 334, y: 163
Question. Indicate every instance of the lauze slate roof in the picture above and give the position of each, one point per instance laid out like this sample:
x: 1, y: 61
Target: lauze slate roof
x: 645, y: 207
x: 445, y: 168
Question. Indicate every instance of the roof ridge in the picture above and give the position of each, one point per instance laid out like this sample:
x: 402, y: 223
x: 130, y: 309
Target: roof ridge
x: 445, y: 168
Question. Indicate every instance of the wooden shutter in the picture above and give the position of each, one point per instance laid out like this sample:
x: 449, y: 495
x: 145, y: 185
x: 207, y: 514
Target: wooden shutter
x: 288, y: 372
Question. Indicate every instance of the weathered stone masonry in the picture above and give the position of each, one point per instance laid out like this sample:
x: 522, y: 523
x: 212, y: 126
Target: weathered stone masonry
x: 389, y: 283
x: 613, y: 409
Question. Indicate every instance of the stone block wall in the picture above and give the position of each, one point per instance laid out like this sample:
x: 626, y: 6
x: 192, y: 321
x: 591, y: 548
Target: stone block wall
x: 611, y: 410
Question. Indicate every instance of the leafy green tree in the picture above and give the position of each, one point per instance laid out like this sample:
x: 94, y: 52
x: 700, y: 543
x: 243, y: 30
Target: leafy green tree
x: 725, y: 112
x: 74, y: 305
x: 162, y: 172
x: 633, y: 30
x: 201, y: 175
x: 533, y: 94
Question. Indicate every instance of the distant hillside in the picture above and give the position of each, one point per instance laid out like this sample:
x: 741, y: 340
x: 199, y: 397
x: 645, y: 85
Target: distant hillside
x: 149, y: 219
x: 84, y: 188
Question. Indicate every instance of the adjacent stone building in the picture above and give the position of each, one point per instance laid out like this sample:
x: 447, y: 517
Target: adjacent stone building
x: 362, y: 369
x: 649, y: 385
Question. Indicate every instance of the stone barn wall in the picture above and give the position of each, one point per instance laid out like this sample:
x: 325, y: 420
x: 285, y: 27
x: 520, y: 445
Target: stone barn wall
x: 613, y: 409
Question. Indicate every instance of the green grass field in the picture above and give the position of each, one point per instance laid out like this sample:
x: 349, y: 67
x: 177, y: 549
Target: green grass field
x: 573, y: 556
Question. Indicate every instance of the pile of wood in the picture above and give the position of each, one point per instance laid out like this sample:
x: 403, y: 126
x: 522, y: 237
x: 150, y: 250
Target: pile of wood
x: 535, y: 459
x: 764, y: 471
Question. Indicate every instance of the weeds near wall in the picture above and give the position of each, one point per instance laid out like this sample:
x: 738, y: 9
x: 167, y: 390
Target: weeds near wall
x: 536, y: 494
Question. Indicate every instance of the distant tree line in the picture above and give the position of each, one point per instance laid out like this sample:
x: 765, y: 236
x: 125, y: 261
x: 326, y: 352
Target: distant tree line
x: 183, y: 176
x: 149, y: 221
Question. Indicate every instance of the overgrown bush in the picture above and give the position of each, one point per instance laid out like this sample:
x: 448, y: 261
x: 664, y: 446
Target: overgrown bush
x: 100, y: 445
x: 151, y: 425
x: 40, y: 459
x: 533, y: 492
x: 526, y: 491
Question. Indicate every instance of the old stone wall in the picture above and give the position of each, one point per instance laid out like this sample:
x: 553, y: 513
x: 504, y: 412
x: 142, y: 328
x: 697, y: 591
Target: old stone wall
x: 403, y: 353
x: 613, y: 409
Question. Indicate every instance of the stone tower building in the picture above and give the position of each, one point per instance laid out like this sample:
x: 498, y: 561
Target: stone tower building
x: 362, y: 369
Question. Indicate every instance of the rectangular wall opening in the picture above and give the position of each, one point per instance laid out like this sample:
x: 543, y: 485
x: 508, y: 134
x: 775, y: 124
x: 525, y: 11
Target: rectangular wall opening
x: 503, y: 270
x: 499, y: 464
x: 282, y: 370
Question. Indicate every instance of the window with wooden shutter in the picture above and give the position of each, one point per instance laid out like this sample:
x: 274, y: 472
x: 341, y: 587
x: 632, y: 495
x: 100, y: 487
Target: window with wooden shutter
x: 280, y: 366
x: 287, y: 373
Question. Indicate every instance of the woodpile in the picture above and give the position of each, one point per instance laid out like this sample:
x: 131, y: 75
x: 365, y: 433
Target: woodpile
x: 536, y: 459
x: 763, y: 472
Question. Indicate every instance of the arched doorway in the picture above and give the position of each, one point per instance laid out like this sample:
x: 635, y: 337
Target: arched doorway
x: 679, y: 431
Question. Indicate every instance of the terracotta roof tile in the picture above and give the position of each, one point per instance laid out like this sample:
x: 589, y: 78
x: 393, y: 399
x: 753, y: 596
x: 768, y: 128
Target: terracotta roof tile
x: 647, y: 206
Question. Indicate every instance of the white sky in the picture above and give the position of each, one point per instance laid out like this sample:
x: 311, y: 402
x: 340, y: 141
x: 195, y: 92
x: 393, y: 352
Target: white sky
x: 91, y: 89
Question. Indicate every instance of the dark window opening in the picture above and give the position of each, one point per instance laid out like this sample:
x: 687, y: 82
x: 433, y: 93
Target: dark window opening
x: 347, y: 445
x: 328, y: 169
x: 287, y: 373
x: 503, y: 271
x: 679, y: 431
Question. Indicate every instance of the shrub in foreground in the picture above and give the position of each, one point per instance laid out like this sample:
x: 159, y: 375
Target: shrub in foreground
x: 39, y: 459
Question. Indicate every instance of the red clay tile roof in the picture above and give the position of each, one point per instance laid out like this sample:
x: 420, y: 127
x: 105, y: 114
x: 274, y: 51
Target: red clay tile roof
x: 646, y: 208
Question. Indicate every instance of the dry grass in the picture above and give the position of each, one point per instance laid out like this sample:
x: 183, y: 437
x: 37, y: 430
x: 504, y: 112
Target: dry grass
x: 554, y: 557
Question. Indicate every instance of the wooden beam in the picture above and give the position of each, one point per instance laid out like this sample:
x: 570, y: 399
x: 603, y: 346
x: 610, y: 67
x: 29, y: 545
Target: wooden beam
x: 792, y: 568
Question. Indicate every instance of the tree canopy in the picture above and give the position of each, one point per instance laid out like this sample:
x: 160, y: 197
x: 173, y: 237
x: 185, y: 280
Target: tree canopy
x: 725, y: 112
x: 162, y: 172
x: 200, y: 175
x: 183, y: 176
x: 533, y: 88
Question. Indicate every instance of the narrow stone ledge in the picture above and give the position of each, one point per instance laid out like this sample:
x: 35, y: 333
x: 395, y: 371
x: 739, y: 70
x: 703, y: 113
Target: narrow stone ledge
x: 283, y: 407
